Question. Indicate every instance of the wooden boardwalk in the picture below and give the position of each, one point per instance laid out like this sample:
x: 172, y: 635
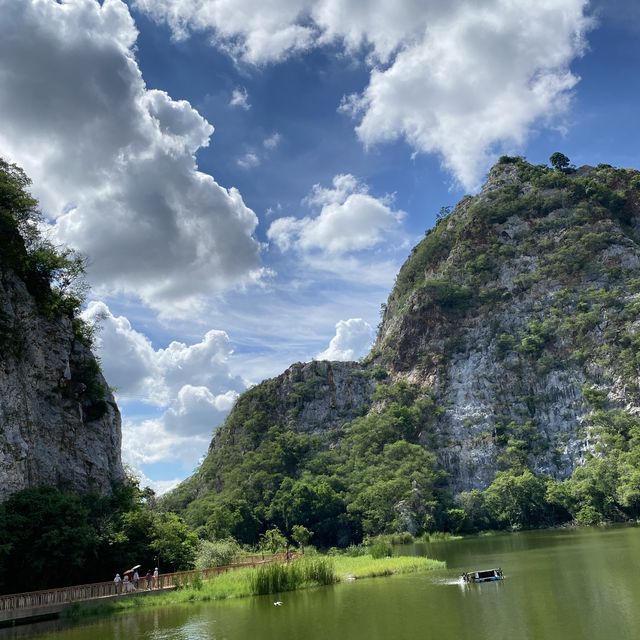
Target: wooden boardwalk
x: 50, y: 602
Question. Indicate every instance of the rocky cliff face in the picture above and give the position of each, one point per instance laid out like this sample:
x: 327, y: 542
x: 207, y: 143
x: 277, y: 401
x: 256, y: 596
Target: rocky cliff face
x: 513, y: 320
x: 59, y: 424
x: 517, y: 311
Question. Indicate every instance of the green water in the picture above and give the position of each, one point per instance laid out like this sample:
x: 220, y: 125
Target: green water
x: 569, y: 585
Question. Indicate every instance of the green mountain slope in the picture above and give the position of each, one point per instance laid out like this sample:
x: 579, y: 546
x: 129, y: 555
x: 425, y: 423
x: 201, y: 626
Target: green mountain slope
x: 502, y: 390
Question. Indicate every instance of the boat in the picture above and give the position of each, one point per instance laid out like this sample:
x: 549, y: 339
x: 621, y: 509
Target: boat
x: 486, y: 575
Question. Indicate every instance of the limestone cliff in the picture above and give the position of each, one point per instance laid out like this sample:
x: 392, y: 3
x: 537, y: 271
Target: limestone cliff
x: 59, y: 424
x: 515, y: 310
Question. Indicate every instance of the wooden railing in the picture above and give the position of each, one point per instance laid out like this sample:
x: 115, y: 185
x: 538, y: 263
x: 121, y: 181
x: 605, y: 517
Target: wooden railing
x: 64, y: 595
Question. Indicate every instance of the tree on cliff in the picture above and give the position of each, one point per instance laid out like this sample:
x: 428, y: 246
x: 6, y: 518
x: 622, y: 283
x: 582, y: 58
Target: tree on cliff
x: 559, y: 161
x: 53, y: 275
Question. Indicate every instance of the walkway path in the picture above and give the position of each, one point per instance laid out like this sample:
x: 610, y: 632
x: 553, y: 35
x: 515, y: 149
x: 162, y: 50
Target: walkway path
x: 50, y: 602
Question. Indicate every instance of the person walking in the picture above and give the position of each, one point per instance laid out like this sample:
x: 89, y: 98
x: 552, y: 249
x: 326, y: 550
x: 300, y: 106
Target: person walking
x: 136, y: 579
x: 156, y: 575
x: 117, y: 582
x: 149, y: 578
x: 127, y: 583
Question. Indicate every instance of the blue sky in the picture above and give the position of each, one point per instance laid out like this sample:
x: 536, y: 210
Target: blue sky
x: 247, y: 179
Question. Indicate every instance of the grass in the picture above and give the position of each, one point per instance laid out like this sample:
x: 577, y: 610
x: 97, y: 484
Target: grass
x: 313, y: 571
x: 439, y: 536
x: 348, y: 568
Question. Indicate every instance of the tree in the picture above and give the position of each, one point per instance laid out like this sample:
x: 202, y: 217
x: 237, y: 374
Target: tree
x: 46, y: 540
x: 216, y: 553
x: 517, y: 500
x: 272, y: 540
x: 559, y: 161
x: 301, y: 535
x: 174, y: 542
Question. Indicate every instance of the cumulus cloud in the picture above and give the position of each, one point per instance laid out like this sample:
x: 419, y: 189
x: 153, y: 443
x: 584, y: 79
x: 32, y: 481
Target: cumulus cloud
x: 272, y: 141
x: 248, y: 29
x: 112, y: 161
x: 349, y: 220
x: 191, y: 386
x: 240, y: 98
x: 248, y: 161
x: 462, y: 79
x: 138, y: 371
x: 475, y: 82
x: 352, y: 341
x: 150, y: 442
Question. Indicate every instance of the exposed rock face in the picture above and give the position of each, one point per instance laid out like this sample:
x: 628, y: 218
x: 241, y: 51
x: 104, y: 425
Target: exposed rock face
x: 320, y: 396
x: 59, y: 424
x: 526, y: 298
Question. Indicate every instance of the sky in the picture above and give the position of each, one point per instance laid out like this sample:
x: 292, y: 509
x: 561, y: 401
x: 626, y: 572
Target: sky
x: 246, y: 177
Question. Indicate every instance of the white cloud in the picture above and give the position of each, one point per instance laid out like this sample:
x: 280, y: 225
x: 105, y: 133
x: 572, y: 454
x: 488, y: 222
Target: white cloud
x: 476, y: 82
x: 240, y: 98
x: 150, y: 442
x: 248, y: 29
x: 248, y: 161
x: 138, y: 371
x: 462, y: 79
x: 192, y: 385
x: 196, y: 409
x: 114, y: 162
x: 128, y: 359
x: 272, y: 141
x: 352, y: 341
x: 349, y: 220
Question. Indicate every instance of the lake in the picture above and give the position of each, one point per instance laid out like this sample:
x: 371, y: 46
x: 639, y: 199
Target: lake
x: 559, y: 585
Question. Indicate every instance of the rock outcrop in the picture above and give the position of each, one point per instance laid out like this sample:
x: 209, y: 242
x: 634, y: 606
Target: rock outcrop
x: 59, y: 423
x: 513, y: 309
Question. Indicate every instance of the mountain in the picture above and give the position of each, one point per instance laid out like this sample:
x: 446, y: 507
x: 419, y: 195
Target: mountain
x: 503, y: 389
x: 59, y: 423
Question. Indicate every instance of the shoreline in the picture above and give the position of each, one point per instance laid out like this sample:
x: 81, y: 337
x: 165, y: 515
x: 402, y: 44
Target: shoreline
x: 240, y: 583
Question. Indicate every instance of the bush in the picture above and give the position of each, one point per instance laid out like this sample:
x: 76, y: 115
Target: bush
x: 380, y: 550
x: 448, y: 294
x: 588, y: 516
x: 594, y: 396
x: 217, y: 553
x: 509, y: 159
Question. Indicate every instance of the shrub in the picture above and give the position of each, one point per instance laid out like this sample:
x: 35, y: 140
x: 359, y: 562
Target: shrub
x: 380, y: 550
x: 504, y: 344
x: 594, y: 396
x: 448, y: 295
x: 588, y: 516
x: 217, y: 553
x: 536, y: 337
x: 509, y: 159
x: 273, y: 540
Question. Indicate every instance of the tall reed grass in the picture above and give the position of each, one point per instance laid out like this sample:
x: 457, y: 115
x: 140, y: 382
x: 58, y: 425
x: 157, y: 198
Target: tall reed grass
x: 275, y: 578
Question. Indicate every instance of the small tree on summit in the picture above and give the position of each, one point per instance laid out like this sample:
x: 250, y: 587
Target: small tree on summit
x: 559, y: 161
